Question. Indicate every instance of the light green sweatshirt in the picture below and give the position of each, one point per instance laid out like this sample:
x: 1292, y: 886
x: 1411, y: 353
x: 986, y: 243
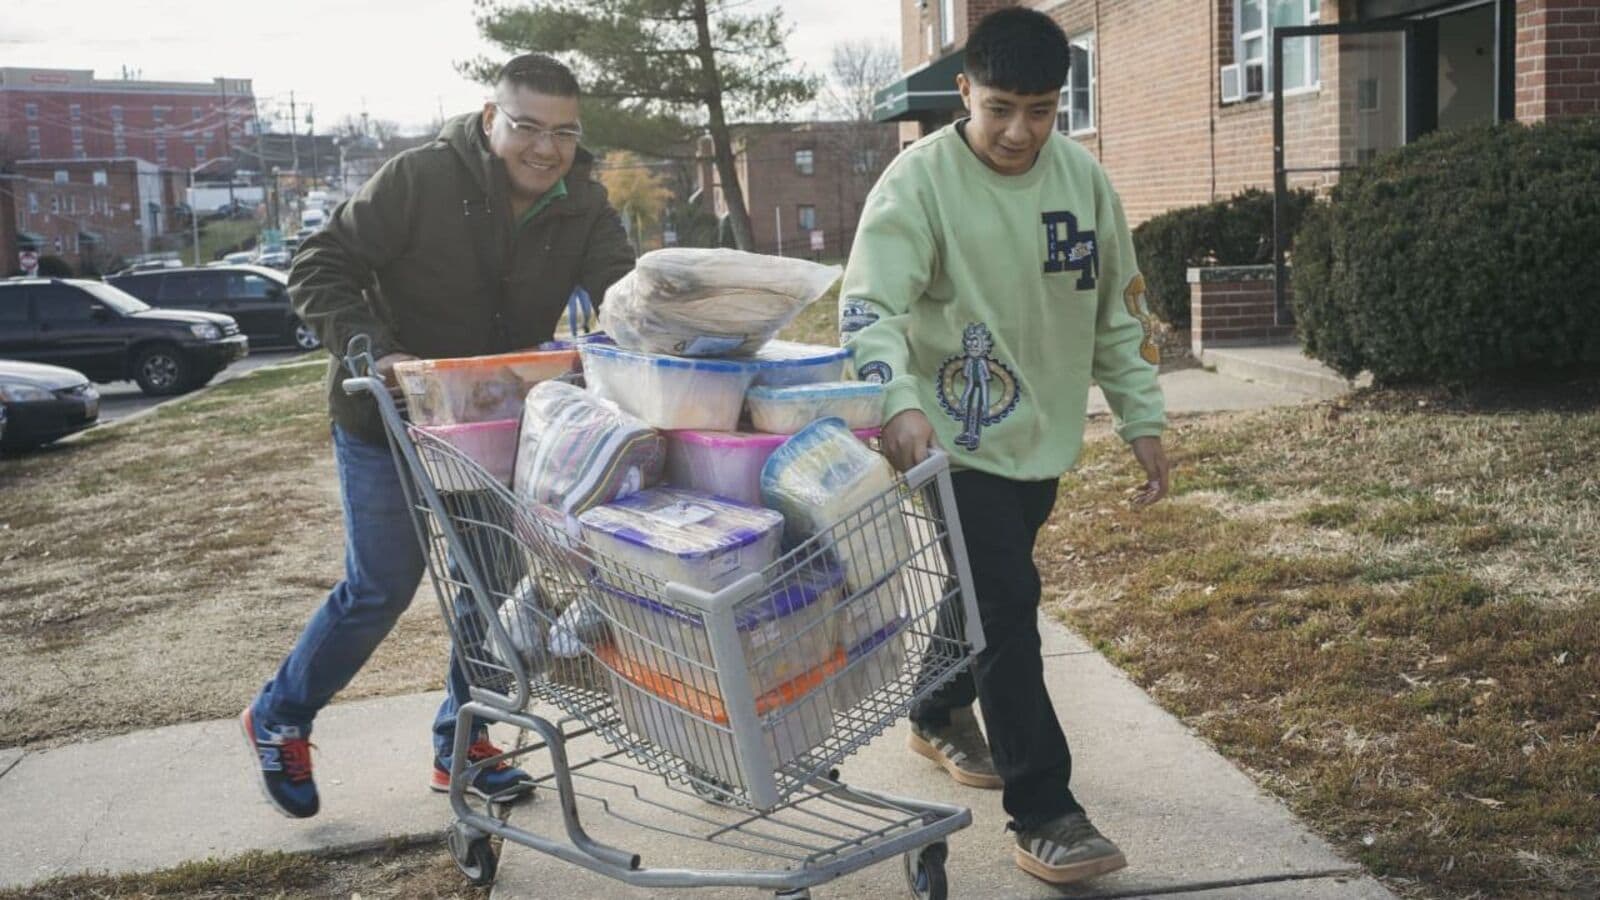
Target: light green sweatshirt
x: 990, y: 301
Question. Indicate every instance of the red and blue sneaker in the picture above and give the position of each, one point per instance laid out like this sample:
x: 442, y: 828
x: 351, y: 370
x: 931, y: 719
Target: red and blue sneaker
x: 500, y: 782
x: 284, y: 763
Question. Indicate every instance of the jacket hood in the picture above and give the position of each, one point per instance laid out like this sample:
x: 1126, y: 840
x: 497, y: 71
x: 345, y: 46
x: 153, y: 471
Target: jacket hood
x: 464, y: 135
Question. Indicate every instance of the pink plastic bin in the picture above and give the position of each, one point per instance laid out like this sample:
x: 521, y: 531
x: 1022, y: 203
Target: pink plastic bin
x: 726, y: 463
x: 492, y: 445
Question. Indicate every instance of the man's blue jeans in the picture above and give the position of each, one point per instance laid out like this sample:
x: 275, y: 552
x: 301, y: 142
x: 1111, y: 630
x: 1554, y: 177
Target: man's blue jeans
x: 383, y: 567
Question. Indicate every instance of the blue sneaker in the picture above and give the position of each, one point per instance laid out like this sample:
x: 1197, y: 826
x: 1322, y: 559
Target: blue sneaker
x: 500, y: 782
x: 284, y: 764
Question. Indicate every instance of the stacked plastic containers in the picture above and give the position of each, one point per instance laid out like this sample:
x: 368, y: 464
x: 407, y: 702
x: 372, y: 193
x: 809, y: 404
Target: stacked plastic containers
x: 726, y: 463
x: 473, y: 403
x: 670, y: 392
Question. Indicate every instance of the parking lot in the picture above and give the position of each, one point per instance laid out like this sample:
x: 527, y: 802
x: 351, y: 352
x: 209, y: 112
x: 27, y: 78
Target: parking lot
x: 120, y: 399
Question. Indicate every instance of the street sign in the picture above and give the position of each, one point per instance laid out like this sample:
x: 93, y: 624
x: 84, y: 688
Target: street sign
x: 29, y: 261
x: 816, y: 240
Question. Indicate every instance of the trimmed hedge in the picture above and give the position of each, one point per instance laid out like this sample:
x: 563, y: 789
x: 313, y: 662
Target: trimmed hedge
x: 1232, y: 232
x: 1465, y: 255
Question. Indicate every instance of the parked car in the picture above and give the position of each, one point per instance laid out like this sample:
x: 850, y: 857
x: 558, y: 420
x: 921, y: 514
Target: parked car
x: 109, y: 335
x: 276, y: 256
x: 242, y: 257
x: 40, y: 404
x: 256, y: 296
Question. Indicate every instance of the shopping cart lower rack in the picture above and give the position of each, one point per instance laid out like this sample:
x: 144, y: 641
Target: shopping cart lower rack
x: 725, y: 713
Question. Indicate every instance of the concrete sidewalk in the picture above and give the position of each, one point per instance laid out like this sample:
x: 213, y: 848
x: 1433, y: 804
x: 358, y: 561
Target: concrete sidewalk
x: 1186, y: 817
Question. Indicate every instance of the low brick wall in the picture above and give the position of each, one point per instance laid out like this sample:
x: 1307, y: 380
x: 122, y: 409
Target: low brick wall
x: 1232, y: 306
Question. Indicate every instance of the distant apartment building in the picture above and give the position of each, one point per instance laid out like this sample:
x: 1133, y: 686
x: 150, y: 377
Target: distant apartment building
x: 1175, y: 96
x: 91, y: 212
x: 803, y: 182
x: 70, y: 114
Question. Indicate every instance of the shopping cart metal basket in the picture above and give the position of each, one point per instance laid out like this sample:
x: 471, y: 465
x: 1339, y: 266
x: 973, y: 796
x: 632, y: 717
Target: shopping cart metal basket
x: 725, y: 715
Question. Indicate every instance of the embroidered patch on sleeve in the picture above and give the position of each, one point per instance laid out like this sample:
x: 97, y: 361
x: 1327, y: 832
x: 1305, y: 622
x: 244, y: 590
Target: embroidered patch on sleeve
x: 976, y: 389
x: 876, y: 372
x: 1139, y: 307
x: 854, y: 315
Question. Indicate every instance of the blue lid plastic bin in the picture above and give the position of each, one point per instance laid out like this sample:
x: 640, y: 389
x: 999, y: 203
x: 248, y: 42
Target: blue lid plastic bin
x: 786, y: 410
x: 670, y: 392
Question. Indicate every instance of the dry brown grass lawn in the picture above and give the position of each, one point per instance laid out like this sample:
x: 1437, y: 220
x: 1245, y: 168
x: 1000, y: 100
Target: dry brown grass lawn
x: 156, y: 572
x: 1388, y: 614
x: 403, y: 873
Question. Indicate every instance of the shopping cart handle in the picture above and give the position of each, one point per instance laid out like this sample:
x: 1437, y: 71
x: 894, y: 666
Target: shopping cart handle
x: 925, y: 471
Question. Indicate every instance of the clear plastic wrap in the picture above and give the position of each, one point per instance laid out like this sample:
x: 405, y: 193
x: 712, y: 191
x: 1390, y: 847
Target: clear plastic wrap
x: 870, y: 664
x: 684, y: 536
x: 817, y: 479
x: 521, y: 615
x: 698, y: 302
x: 786, y: 410
x: 477, y: 388
x: 579, y: 451
x: 670, y: 392
x: 492, y: 445
x: 725, y: 463
x: 782, y: 363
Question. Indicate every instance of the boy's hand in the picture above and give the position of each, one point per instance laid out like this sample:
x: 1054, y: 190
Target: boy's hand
x: 1147, y: 450
x: 907, y: 439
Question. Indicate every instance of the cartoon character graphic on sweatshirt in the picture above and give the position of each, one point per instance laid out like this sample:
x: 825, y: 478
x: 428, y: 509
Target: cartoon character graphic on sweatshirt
x: 987, y: 388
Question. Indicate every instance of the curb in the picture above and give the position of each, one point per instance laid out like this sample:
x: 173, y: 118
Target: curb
x: 1311, y: 379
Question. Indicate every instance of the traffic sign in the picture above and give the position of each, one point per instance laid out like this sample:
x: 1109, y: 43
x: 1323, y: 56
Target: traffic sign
x: 29, y: 261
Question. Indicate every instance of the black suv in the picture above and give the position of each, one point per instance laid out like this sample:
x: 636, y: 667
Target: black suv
x: 256, y: 296
x: 111, y: 336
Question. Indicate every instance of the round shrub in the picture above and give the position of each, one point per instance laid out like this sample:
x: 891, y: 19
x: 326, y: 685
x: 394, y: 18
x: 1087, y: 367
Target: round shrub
x: 1232, y: 232
x: 1466, y: 255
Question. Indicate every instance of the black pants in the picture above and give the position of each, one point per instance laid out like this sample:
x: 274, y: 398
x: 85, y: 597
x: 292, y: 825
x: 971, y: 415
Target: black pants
x: 1000, y: 519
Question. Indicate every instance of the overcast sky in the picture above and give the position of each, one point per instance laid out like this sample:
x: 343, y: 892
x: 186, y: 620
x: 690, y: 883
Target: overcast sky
x: 393, y: 58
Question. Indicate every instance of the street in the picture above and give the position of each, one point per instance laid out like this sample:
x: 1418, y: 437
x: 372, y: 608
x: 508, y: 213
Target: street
x: 121, y: 399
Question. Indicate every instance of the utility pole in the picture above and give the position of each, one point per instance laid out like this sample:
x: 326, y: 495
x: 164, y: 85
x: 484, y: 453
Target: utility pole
x: 294, y: 134
x: 227, y: 141
x: 316, y: 167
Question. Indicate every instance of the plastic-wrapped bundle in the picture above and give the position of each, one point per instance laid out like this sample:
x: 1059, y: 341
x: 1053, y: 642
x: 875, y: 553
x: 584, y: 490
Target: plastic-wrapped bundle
x: 477, y: 388
x: 698, y: 302
x: 817, y: 479
x: 694, y: 539
x: 782, y: 363
x: 670, y: 392
x: 579, y: 451
x: 521, y: 615
x: 786, y: 410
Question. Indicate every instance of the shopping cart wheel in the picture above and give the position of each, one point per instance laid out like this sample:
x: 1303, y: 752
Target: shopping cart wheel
x: 474, y: 856
x: 925, y: 872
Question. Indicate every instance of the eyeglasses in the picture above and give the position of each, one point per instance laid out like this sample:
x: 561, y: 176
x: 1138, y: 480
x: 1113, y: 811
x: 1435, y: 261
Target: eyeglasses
x: 529, y: 133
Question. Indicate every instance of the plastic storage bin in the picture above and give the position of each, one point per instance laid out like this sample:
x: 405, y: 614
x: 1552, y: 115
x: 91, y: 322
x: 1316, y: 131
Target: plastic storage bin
x: 670, y: 392
x: 684, y: 536
x: 785, y: 363
x: 694, y: 726
x: 869, y: 611
x: 492, y: 445
x: 477, y: 388
x: 725, y: 463
x: 869, y: 665
x: 786, y: 410
x: 784, y: 634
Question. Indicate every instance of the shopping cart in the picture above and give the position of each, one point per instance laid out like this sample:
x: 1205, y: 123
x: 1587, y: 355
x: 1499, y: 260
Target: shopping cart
x: 725, y: 714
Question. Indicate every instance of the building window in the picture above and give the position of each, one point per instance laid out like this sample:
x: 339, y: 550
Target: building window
x: 55, y: 203
x: 33, y: 202
x: 947, y: 22
x: 72, y: 203
x: 116, y: 114
x: 99, y: 177
x: 199, y: 154
x: 33, y: 140
x: 1077, y: 98
x: 31, y: 111
x: 864, y: 162
x: 805, y: 162
x: 76, y: 111
x: 120, y: 147
x: 158, y: 115
x: 1253, y: 24
x: 161, y: 150
x: 61, y: 176
x: 807, y: 216
x: 195, y: 113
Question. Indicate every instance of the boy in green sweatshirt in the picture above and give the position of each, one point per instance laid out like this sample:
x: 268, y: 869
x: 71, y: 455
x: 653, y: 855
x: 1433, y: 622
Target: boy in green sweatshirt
x: 993, y: 276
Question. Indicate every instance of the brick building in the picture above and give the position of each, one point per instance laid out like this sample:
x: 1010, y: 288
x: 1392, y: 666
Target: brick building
x: 70, y: 114
x: 91, y: 212
x: 802, y: 178
x: 1173, y: 96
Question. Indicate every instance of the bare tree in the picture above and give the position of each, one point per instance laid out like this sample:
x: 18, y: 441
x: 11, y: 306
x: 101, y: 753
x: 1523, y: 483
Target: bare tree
x: 855, y: 73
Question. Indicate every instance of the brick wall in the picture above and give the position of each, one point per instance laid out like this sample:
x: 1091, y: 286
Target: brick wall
x: 8, y: 225
x: 1233, y: 306
x: 1558, y: 59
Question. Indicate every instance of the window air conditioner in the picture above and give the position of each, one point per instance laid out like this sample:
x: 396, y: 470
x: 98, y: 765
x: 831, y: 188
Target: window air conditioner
x: 1231, y: 88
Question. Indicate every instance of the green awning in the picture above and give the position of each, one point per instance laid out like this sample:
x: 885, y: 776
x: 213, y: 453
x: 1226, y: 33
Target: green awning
x: 931, y: 88
x: 28, y: 240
